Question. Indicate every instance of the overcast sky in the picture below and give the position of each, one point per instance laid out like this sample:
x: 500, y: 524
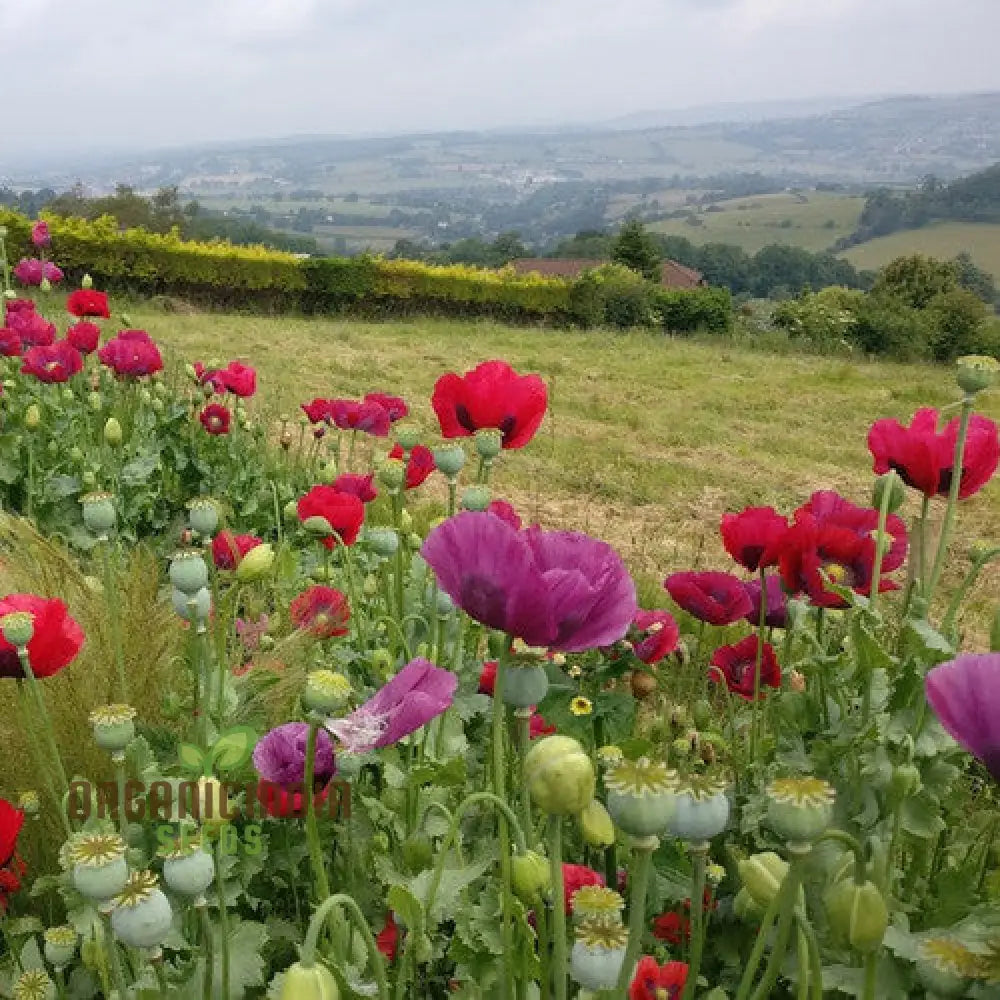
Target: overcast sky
x: 82, y: 75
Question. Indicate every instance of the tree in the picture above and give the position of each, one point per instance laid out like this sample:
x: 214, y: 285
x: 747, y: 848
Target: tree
x: 637, y: 249
x: 975, y: 279
x: 916, y: 279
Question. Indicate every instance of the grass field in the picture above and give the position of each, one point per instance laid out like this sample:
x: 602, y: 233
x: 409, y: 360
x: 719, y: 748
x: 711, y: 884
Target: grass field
x: 944, y: 240
x: 649, y: 439
x: 813, y: 220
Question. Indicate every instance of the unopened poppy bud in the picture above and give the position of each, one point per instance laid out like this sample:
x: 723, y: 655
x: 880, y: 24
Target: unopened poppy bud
x: 405, y: 521
x: 325, y: 692
x: 370, y: 587
x: 113, y: 434
x: 489, y: 443
x: 18, y: 628
x: 443, y: 605
x: 290, y: 512
x: 188, y: 572
x: 745, y: 907
x: 46, y: 285
x: 392, y: 474
x: 318, y: 526
x: 408, y: 436
x: 88, y: 479
x: 256, y: 564
x: 680, y: 748
x: 702, y: 714
x: 29, y: 803
x: 32, y: 417
x: 95, y: 401
x: 596, y: 825
x: 76, y: 455
x: 905, y: 781
x: 976, y: 372
x: 476, y: 498
x: 858, y: 915
x: 67, y: 395
x: 642, y: 684
x: 414, y: 541
x: 449, y: 459
x: 87, y: 282
x: 762, y: 875
x: 530, y: 876
x: 327, y: 473
x: 559, y: 775
x: 890, y: 483
x: 267, y: 643
x: 145, y: 396
x: 309, y: 982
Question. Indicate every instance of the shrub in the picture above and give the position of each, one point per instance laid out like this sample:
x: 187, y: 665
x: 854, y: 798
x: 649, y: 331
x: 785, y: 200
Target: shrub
x: 957, y: 317
x: 615, y: 295
x: 885, y: 326
x: 683, y: 311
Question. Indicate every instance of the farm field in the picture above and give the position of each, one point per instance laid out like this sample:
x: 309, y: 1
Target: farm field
x: 648, y: 439
x: 811, y: 220
x: 943, y: 240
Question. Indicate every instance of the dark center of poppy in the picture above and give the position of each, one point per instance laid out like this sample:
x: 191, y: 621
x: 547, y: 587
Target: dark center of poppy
x: 839, y: 574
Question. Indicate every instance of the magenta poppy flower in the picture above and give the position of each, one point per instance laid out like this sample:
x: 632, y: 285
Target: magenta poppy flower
x: 965, y: 696
x: 32, y: 272
x: 84, y: 336
x: 215, y: 418
x: 350, y: 415
x: 210, y: 376
x: 829, y: 508
x: 12, y: 306
x: 736, y: 665
x: 419, y: 693
x: 395, y: 406
x: 40, y: 235
x: 753, y: 537
x: 658, y: 635
x: 363, y: 487
x: 131, y: 353
x: 280, y: 756
x: 239, y: 379
x: 10, y: 342
x: 556, y: 589
x: 33, y: 329
x: 87, y: 302
x: 716, y: 598
x: 52, y: 364
x: 776, y: 612
x: 317, y: 411
x: 419, y: 465
x: 506, y: 513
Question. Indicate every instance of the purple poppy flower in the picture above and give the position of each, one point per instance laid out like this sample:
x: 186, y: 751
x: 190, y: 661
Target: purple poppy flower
x: 31, y: 271
x: 40, y: 235
x: 716, y: 598
x: 965, y: 696
x: 280, y: 756
x: 776, y: 612
x: 418, y: 693
x: 555, y: 589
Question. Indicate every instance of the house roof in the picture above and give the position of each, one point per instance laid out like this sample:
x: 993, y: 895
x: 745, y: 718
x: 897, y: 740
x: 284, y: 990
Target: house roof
x: 674, y: 275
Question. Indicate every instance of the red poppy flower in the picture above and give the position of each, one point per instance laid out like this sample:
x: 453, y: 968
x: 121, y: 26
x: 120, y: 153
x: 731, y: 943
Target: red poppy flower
x: 658, y: 982
x: 132, y: 353
x: 19, y: 306
x: 210, y: 376
x: 395, y: 406
x: 716, y: 598
x: 228, y: 549
x: 419, y: 466
x: 87, y: 302
x: 737, y: 664
x: 537, y: 726
x: 488, y: 678
x: 322, y: 611
x: 924, y: 457
x: 658, y: 635
x: 387, y: 939
x: 357, y: 485
x: 343, y: 512
x: 811, y: 549
x: 33, y: 329
x: 10, y: 342
x: 829, y: 507
x: 11, y: 821
x: 491, y: 395
x: 215, y: 418
x: 753, y: 536
x: 672, y: 928
x: 53, y: 364
x: 54, y: 645
x: 506, y: 512
x: 285, y: 803
x: 576, y: 877
x: 317, y: 411
x: 239, y: 379
x: 350, y: 415
x: 84, y: 336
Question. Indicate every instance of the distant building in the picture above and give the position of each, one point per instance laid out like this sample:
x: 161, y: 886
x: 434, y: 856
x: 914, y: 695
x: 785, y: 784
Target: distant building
x: 673, y: 275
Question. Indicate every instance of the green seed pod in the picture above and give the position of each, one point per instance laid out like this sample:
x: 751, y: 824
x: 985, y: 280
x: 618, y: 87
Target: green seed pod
x: 596, y: 825
x: 312, y: 982
x: 476, y: 498
x: 392, y: 474
x: 418, y: 852
x: 449, y: 459
x: 559, y: 775
x: 889, y: 483
x: 489, y: 443
x: 188, y: 572
x: 113, y: 434
x: 190, y: 874
x: 530, y: 877
x: 905, y: 781
x: 858, y: 914
x: 95, y: 401
x: 524, y: 686
x: 408, y: 436
x: 32, y: 417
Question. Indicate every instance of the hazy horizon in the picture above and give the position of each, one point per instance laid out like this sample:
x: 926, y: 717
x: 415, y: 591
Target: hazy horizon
x: 109, y: 76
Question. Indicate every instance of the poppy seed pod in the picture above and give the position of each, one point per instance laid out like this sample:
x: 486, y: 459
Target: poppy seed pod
x: 700, y: 811
x: 596, y: 825
x: 489, y: 443
x: 34, y: 984
x: 188, y: 572
x: 204, y: 517
x: 524, y: 686
x: 32, y: 417
x: 392, y: 474
x: 858, y: 914
x: 98, y: 513
x: 799, y: 809
x: 974, y: 373
x: 384, y: 541
x: 308, y: 982
x: 142, y: 916
x: 889, y: 483
x: 450, y: 458
x: 559, y: 775
x: 60, y: 945
x: 476, y: 498
x: 408, y: 436
x: 18, y: 628
x: 193, y: 607
x: 190, y: 873
x: 114, y: 727
x: 640, y: 796
x: 530, y: 876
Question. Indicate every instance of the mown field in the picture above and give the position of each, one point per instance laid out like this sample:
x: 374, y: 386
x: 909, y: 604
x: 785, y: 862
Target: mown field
x: 648, y: 440
x: 944, y: 240
x: 813, y: 220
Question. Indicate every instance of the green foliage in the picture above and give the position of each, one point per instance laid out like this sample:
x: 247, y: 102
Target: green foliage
x: 708, y: 309
x: 915, y: 280
x: 637, y: 249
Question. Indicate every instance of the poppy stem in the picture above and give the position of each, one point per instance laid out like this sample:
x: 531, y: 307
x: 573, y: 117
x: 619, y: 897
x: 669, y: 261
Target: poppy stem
x: 312, y: 831
x: 223, y: 916
x: 503, y: 831
x: 559, y: 911
x: 761, y: 625
x: 954, y: 489
x: 114, y: 618
x: 880, y: 551
x: 36, y: 693
x: 208, y: 980
x: 699, y: 856
x: 642, y: 860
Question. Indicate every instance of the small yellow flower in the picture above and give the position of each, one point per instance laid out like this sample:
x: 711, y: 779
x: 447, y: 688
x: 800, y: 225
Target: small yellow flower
x: 610, y: 754
x: 596, y: 902
x: 575, y: 672
x: 581, y: 706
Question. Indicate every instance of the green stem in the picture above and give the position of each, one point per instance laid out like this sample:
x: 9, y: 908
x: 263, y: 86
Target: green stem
x: 452, y: 496
x: 114, y: 618
x: 503, y: 834
x: 39, y: 699
x: 853, y: 845
x: 208, y: 979
x: 955, y: 487
x: 115, y: 962
x: 161, y: 978
x: 804, y: 972
x: 880, y: 550
x: 523, y: 722
x: 699, y: 855
x: 223, y: 919
x: 542, y: 934
x: 119, y: 760
x: 558, y: 909
x: 761, y: 624
x: 312, y: 829
x: 38, y: 756
x: 328, y: 906
x: 813, y: 954
x: 871, y: 976
x: 789, y: 890
x: 642, y: 858
x: 397, y: 519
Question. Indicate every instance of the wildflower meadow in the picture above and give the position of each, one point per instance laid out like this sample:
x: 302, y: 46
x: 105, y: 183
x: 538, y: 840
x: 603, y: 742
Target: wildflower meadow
x: 274, y: 731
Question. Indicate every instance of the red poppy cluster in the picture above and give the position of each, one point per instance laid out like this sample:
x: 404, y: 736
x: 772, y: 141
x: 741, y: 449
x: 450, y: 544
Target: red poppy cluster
x: 228, y: 549
x: 658, y: 982
x: 343, y: 512
x: 131, y: 354
x: 236, y: 378
x: 321, y: 611
x: 374, y: 414
x: 12, y: 869
x: 493, y: 395
x: 419, y: 465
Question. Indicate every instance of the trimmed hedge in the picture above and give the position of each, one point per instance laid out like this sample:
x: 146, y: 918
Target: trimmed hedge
x: 221, y: 274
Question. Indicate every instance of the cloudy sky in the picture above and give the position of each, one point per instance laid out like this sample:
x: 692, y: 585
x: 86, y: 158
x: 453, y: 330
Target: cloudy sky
x: 82, y: 75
